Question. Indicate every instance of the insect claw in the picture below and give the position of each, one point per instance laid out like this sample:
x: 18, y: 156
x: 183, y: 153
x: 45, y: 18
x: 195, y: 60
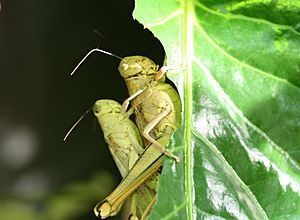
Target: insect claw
x: 163, y: 70
x: 171, y: 155
x: 125, y: 106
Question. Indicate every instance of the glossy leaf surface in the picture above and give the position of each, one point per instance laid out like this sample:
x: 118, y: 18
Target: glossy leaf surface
x: 239, y: 141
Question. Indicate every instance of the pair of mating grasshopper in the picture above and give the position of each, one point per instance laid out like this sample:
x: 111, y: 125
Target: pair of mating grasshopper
x: 157, y: 109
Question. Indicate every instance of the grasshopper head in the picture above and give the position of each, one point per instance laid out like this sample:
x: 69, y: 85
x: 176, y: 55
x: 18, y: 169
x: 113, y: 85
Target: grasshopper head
x: 135, y: 66
x: 104, y: 107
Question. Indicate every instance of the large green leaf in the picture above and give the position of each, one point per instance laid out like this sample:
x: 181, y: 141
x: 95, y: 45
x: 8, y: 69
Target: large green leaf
x: 239, y: 141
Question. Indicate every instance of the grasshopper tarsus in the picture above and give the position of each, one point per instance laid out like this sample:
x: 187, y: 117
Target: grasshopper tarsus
x: 125, y: 106
x: 162, y: 71
x: 172, y: 156
x: 127, y: 101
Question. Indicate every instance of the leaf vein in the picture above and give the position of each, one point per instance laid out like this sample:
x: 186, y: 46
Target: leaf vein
x: 242, y: 17
x: 176, y: 210
x: 165, y: 20
x: 232, y: 109
x: 234, y: 59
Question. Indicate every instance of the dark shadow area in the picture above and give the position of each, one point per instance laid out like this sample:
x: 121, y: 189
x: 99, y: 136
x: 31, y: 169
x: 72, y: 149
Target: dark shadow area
x: 40, y: 44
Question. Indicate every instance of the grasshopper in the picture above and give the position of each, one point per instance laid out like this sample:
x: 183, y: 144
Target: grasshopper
x: 157, y: 108
x: 156, y: 104
x: 125, y: 145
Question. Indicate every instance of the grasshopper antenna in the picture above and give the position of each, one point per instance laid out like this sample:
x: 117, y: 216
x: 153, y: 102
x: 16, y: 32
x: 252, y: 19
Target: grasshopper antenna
x: 89, y: 53
x: 76, y: 123
x: 99, y: 34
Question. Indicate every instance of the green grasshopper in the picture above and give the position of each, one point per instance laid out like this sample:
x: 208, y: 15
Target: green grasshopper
x: 125, y: 145
x: 157, y: 108
x: 156, y: 104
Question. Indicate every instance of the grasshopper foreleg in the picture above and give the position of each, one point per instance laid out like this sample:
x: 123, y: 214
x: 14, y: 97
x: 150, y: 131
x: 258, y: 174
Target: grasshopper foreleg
x: 127, y: 101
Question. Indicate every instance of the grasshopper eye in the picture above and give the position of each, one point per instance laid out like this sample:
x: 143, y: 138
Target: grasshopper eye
x: 125, y: 66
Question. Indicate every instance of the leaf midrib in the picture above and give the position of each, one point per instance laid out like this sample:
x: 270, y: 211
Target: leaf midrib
x: 188, y: 21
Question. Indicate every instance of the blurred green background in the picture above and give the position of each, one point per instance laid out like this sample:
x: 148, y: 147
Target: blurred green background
x: 42, y: 177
